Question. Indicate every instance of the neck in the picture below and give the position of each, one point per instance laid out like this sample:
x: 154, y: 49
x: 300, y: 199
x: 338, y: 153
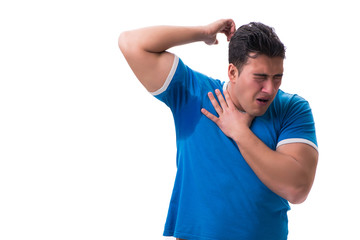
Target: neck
x: 233, y: 98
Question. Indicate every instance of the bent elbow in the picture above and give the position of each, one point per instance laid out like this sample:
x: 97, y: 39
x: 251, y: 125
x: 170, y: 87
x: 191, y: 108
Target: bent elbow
x: 122, y: 41
x: 297, y: 199
x: 128, y: 46
x: 298, y: 195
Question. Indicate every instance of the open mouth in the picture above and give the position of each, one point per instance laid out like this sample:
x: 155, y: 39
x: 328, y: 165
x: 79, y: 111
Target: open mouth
x: 262, y: 101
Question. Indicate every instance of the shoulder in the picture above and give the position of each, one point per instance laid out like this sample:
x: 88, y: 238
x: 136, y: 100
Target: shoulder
x: 183, y: 75
x: 291, y: 110
x: 287, y: 102
x: 297, y: 121
x: 288, y: 98
x: 184, y: 84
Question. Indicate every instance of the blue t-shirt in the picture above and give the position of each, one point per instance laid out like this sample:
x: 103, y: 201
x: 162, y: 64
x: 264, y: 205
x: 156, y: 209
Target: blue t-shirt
x: 216, y: 194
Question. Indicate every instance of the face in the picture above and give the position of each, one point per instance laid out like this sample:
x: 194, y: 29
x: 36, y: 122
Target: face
x: 256, y: 86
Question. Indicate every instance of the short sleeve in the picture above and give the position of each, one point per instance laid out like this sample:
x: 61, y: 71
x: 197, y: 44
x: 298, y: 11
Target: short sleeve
x: 180, y: 87
x: 169, y: 77
x: 298, y: 124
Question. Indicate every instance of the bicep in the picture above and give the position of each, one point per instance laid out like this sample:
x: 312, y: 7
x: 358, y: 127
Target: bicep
x: 150, y: 68
x: 305, y: 154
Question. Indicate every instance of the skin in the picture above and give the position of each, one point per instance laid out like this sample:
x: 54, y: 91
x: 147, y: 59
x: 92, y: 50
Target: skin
x: 260, y: 78
x: 145, y: 49
x: 290, y: 170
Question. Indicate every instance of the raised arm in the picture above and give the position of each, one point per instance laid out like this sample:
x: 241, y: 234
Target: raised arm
x: 145, y: 49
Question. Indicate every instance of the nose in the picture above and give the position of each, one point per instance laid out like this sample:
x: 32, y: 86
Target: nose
x: 268, y: 87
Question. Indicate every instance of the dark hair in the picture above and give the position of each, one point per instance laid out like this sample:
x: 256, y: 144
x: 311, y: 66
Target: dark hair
x: 254, y: 38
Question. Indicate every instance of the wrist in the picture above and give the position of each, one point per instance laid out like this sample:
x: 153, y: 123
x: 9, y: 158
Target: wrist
x: 200, y: 33
x: 242, y: 134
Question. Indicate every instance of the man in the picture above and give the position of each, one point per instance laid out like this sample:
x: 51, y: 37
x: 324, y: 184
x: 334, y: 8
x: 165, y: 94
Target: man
x: 242, y: 155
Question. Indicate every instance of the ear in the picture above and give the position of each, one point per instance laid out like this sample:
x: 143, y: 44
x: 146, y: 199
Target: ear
x: 232, y: 73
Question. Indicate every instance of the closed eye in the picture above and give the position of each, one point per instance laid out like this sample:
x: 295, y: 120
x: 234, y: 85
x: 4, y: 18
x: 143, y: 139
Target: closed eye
x: 260, y: 77
x: 278, y: 77
x: 263, y: 77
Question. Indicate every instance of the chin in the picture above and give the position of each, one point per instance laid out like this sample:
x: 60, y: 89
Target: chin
x: 257, y: 113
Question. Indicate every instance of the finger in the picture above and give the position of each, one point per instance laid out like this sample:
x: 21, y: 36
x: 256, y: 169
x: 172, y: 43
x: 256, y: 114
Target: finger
x: 209, y: 115
x: 215, y: 104
x: 231, y: 33
x: 230, y: 29
x: 228, y: 100
x: 223, y: 104
x: 233, y: 27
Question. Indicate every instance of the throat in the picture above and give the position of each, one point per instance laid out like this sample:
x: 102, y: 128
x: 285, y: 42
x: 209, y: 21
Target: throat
x: 233, y: 99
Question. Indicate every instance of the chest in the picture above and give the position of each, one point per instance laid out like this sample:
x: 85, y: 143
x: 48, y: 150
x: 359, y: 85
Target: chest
x: 267, y: 130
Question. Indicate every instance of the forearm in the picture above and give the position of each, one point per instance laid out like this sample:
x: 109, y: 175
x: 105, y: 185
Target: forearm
x: 160, y: 38
x: 280, y: 172
x: 289, y: 171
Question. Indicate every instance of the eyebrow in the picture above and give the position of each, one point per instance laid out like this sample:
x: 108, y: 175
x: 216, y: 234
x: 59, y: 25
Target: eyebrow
x: 265, y: 75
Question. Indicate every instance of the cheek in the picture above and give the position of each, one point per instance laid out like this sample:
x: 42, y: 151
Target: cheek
x: 251, y: 90
x: 246, y: 91
x: 245, y: 98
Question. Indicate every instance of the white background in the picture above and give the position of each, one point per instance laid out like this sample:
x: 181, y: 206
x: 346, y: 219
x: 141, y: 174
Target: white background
x: 87, y: 153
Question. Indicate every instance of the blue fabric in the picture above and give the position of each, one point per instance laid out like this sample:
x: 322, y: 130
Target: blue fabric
x: 216, y: 195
